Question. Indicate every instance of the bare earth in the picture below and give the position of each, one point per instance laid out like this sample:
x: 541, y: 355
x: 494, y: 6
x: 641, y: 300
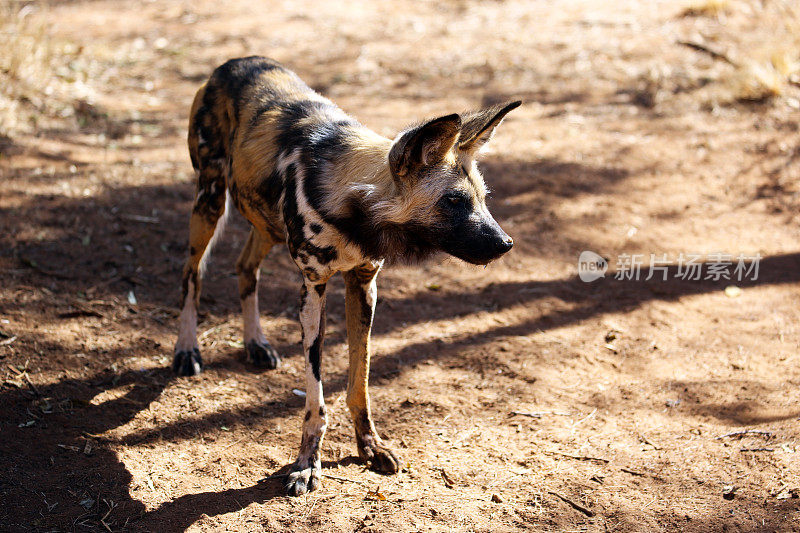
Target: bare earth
x: 621, y: 148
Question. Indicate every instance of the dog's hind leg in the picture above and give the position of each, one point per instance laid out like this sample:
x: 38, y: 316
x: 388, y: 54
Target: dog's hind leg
x: 361, y: 294
x: 209, y: 206
x: 258, y: 350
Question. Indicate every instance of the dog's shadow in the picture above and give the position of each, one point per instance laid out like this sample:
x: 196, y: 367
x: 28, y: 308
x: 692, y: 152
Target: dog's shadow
x: 182, y: 512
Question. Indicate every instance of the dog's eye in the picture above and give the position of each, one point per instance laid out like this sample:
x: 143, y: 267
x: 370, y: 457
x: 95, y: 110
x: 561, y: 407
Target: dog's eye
x: 456, y: 200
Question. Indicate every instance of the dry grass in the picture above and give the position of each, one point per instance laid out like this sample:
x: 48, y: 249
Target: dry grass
x: 707, y: 8
x: 768, y: 55
x: 755, y: 47
x: 24, y: 61
x: 758, y: 81
x: 38, y: 83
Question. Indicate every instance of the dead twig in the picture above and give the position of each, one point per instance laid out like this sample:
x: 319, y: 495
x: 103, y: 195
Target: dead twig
x: 343, y: 479
x: 645, y: 440
x: 23, y: 374
x: 699, y: 47
x: 79, y: 311
x: 209, y: 331
x: 632, y: 472
x: 28, y: 379
x: 584, y: 419
x: 447, y: 481
x: 757, y: 449
x: 579, y: 507
x: 579, y: 457
x: 140, y: 218
x: 8, y: 341
x: 642, y: 474
x: 540, y: 414
x: 521, y: 472
x: 742, y: 433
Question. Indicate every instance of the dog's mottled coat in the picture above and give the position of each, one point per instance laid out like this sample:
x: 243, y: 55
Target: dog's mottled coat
x: 343, y: 199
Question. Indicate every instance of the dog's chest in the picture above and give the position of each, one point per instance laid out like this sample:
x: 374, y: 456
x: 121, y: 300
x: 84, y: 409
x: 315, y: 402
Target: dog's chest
x: 318, y: 248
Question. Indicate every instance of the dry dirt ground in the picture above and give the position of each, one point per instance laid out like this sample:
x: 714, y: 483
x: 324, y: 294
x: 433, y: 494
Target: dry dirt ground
x: 640, y: 390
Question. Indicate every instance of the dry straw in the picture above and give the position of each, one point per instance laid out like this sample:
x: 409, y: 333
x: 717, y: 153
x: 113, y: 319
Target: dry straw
x: 762, y: 38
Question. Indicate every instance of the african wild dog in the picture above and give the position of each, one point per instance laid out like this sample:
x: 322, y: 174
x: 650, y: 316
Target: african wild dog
x: 344, y: 199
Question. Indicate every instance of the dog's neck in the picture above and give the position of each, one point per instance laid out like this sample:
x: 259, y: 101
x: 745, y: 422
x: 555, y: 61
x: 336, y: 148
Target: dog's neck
x: 362, y: 191
x: 361, y: 176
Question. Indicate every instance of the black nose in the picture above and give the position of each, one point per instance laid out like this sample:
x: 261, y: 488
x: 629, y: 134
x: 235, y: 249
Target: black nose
x: 505, y: 244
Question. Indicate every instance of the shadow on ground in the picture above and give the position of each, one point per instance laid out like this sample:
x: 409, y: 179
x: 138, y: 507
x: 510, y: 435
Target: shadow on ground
x: 133, y: 239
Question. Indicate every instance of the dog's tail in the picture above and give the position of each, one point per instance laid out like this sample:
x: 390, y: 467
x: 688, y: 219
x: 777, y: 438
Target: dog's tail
x: 218, y: 231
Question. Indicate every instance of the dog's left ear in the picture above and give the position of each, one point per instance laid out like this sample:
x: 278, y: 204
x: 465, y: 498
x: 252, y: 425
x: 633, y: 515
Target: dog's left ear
x: 477, y: 127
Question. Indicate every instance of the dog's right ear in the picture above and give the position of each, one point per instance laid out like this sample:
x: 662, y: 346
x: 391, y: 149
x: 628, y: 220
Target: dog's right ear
x: 424, y: 145
x: 479, y: 126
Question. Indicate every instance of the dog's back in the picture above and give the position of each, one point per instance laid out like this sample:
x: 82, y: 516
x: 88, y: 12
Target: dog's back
x: 251, y: 111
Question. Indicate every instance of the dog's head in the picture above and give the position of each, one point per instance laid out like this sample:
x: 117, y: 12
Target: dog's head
x: 441, y: 189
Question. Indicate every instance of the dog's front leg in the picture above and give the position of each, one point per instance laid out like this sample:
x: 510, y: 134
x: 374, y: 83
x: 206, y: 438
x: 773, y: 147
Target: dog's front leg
x: 305, y: 474
x: 361, y: 295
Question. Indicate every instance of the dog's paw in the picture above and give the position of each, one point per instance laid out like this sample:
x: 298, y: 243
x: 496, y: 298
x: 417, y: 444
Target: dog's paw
x: 187, y: 362
x: 378, y: 457
x: 262, y: 354
x: 303, y: 478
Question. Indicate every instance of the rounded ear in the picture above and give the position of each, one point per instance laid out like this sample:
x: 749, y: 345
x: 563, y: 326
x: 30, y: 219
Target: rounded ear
x: 424, y: 145
x: 478, y: 126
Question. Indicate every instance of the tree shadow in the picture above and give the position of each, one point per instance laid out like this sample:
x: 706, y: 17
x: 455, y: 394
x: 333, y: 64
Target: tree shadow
x: 750, y: 412
x: 745, y: 413
x: 133, y: 238
x: 136, y: 241
x: 56, y: 472
x: 745, y: 514
x: 595, y: 299
x: 607, y: 295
